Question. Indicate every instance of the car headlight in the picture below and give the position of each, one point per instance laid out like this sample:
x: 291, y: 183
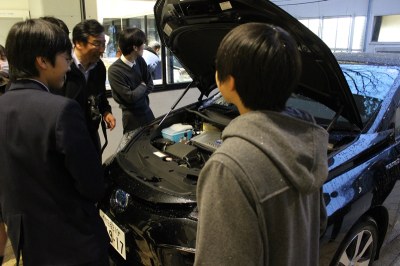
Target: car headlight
x: 119, y: 200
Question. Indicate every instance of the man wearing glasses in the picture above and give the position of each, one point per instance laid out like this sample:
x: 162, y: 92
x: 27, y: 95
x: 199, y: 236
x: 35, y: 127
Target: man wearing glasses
x: 86, y: 81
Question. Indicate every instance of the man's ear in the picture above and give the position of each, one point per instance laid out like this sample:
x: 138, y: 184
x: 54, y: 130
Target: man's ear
x: 230, y: 80
x: 79, y: 45
x: 41, y: 62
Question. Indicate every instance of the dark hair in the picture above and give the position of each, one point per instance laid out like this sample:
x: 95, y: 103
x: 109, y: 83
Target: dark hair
x: 129, y: 38
x: 86, y: 28
x: 2, y: 53
x: 57, y: 22
x: 265, y: 63
x: 29, y: 39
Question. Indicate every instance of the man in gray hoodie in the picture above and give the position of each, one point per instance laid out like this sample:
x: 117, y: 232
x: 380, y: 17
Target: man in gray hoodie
x: 259, y: 196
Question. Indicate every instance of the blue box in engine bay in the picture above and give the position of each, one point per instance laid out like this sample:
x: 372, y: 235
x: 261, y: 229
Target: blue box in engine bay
x: 178, y: 132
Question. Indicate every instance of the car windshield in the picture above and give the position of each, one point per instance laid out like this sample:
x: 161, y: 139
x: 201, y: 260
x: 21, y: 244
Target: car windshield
x: 369, y: 84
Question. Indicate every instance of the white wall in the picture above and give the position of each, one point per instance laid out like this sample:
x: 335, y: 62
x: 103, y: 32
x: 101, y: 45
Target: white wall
x: 385, y: 7
x: 12, y: 11
x: 91, y: 7
x: 68, y: 11
x: 328, y: 8
x: 343, y: 8
x: 14, y: 4
x: 9, y: 18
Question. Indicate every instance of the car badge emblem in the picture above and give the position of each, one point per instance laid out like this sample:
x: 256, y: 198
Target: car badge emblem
x: 119, y: 200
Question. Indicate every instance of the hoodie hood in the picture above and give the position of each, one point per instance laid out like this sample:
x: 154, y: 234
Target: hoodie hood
x: 296, y: 147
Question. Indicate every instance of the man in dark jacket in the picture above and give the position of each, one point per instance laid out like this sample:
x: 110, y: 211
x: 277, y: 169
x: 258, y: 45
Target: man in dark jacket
x: 86, y: 81
x: 51, y: 174
x: 131, y: 81
x: 259, y: 195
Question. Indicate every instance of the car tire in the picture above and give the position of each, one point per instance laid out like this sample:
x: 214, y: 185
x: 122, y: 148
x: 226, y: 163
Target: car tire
x: 360, y: 245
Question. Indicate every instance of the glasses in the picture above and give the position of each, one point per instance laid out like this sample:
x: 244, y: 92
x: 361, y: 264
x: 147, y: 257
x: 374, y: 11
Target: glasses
x: 98, y: 44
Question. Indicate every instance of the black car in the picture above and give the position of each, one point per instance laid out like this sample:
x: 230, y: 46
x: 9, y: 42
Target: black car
x: 150, y: 205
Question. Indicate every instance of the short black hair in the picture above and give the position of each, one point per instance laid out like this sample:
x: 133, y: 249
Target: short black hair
x: 57, y: 22
x: 265, y: 63
x: 86, y: 28
x: 29, y: 39
x: 129, y: 38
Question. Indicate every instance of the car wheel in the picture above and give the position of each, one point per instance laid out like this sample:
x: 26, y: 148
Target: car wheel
x: 359, y: 246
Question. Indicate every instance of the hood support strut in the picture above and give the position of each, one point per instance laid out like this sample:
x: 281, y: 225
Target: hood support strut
x: 176, y: 103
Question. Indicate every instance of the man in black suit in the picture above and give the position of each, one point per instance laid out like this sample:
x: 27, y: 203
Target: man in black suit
x: 51, y: 175
x: 86, y: 82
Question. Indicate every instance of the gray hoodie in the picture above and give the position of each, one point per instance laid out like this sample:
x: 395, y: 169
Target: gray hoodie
x: 259, y: 195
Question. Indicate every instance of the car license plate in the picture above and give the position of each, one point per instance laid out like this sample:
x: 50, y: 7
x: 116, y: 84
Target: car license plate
x: 117, y: 235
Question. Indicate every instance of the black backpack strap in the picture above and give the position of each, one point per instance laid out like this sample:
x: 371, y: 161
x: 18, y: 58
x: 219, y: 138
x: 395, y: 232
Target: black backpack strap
x: 104, y: 129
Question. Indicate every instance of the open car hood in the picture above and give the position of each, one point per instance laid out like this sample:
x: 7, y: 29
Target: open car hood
x: 193, y: 29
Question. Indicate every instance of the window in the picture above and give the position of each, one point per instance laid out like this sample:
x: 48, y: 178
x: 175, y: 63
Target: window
x: 329, y: 32
x: 339, y: 33
x: 386, y: 29
x: 173, y: 74
x: 312, y: 24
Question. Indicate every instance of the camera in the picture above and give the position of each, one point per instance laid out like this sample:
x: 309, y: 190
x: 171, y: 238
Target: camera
x: 94, y: 108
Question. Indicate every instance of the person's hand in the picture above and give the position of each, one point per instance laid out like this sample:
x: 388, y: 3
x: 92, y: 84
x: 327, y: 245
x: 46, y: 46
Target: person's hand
x: 110, y: 120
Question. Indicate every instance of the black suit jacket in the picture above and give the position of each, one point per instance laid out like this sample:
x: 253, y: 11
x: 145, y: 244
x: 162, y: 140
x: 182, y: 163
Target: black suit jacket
x: 50, y: 178
x: 76, y: 87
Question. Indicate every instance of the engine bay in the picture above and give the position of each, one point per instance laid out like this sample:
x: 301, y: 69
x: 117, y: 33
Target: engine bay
x: 198, y: 133
x: 190, y: 150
